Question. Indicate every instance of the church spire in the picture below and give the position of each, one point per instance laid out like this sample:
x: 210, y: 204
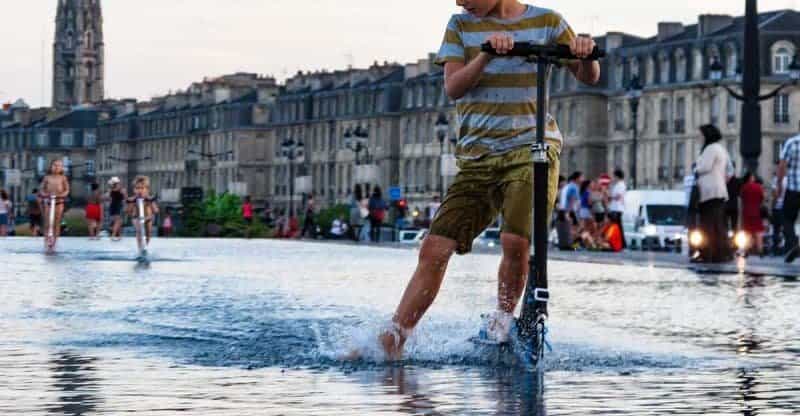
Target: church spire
x: 78, y: 54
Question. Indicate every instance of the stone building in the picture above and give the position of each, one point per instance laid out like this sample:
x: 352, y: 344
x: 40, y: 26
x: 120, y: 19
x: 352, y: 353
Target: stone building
x: 78, y: 54
x: 678, y: 97
x: 212, y: 136
x: 32, y: 138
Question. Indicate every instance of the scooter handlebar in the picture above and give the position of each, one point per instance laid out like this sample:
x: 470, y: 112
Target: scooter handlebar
x: 527, y: 49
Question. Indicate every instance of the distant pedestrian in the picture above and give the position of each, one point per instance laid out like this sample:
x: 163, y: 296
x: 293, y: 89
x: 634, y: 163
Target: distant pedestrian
x: 359, y: 212
x: 309, y: 227
x: 94, y: 211
x: 776, y: 219
x: 789, y: 168
x: 117, y: 197
x: 166, y: 223
x: 711, y: 180
x: 734, y: 186
x: 377, y: 214
x: 752, y: 195
x: 34, y: 212
x: 247, y: 211
x: 6, y: 213
x: 597, y: 200
x: 616, y: 205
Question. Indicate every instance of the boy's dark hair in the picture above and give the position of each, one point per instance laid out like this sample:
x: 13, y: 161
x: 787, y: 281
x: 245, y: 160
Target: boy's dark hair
x: 711, y: 134
x: 575, y: 176
x: 619, y: 174
x: 35, y: 191
x: 95, y: 186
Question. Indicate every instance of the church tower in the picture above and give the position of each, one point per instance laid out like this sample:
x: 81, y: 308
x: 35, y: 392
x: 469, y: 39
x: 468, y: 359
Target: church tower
x: 78, y: 54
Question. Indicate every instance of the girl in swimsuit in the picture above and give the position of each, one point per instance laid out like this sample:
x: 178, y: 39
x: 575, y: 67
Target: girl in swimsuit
x: 55, y: 185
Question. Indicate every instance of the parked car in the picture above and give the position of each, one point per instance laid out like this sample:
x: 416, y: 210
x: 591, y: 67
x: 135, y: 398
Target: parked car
x: 411, y: 236
x: 489, y: 238
x: 655, y: 220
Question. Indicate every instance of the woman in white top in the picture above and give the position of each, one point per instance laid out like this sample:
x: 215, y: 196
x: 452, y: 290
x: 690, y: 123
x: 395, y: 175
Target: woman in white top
x: 6, y: 213
x: 712, y: 178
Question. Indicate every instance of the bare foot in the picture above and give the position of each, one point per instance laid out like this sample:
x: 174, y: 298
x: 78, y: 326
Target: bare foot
x: 392, y: 343
x: 388, y: 340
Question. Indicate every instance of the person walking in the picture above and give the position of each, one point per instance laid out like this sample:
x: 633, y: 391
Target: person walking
x: 377, y: 214
x: 6, y: 213
x: 597, y: 200
x: 117, y: 196
x: 34, y: 212
x: 616, y: 206
x: 789, y: 168
x: 247, y: 211
x: 752, y: 196
x: 94, y: 212
x: 776, y: 219
x: 358, y: 214
x: 309, y: 226
x: 711, y: 180
x: 734, y: 186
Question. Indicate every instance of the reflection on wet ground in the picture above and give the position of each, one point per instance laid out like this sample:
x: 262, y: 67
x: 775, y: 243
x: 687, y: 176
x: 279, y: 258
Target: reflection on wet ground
x: 255, y: 327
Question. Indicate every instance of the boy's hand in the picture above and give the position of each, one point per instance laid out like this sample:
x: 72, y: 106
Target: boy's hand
x: 501, y: 42
x: 582, y: 46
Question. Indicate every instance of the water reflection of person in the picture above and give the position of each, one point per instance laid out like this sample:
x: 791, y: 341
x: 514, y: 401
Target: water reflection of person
x: 414, y: 402
x: 74, y: 376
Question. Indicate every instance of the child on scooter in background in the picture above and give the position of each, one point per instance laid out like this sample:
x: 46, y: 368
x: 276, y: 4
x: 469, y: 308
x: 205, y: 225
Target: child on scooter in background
x: 54, y: 185
x: 141, y: 189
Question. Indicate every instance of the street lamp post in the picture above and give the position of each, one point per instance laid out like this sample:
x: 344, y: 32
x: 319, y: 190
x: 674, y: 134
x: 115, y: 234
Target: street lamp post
x: 356, y: 140
x: 634, y: 96
x: 750, y: 143
x: 292, y: 150
x: 442, y: 128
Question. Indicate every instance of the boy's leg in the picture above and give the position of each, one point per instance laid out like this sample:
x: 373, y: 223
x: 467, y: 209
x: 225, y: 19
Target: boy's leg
x: 517, y: 202
x: 465, y: 212
x: 420, y: 292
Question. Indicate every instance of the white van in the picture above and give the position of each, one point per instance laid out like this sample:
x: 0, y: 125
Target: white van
x: 655, y: 220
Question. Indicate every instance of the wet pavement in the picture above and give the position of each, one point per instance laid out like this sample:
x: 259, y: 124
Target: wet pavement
x: 238, y: 327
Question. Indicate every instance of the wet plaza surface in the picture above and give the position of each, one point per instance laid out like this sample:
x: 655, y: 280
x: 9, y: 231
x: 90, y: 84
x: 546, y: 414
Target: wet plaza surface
x: 255, y: 327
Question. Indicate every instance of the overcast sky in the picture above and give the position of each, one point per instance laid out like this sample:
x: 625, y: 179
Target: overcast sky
x: 153, y: 46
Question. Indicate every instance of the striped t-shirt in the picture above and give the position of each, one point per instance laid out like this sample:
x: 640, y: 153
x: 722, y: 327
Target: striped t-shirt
x: 499, y: 114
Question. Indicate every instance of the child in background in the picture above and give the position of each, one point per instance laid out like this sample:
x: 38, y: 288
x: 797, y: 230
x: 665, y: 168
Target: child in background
x: 141, y: 189
x: 54, y: 185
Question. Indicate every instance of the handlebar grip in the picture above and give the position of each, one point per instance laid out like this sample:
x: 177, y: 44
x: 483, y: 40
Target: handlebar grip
x: 527, y: 49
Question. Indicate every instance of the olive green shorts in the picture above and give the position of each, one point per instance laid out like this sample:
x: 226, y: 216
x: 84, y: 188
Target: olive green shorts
x: 490, y: 186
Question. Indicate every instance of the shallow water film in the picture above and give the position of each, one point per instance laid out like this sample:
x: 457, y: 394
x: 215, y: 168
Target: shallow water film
x: 217, y: 327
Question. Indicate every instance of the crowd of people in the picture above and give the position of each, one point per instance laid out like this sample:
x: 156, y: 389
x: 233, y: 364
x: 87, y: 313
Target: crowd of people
x: 588, y: 214
x: 722, y: 204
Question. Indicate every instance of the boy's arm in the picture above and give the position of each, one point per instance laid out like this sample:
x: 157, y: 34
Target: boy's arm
x: 459, y: 77
x: 587, y: 72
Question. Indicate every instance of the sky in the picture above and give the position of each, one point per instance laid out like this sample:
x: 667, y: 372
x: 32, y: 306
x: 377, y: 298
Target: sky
x: 154, y: 46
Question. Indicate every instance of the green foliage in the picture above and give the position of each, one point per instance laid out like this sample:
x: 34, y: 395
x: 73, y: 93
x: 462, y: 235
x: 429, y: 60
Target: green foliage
x: 76, y: 223
x: 326, y: 216
x: 221, y: 216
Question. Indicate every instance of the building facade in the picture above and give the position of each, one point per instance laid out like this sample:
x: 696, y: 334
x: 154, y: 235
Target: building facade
x: 212, y: 136
x: 391, y: 125
x: 32, y: 138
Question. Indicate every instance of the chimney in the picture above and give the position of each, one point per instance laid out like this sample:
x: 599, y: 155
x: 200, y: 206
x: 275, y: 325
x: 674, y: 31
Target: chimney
x: 710, y: 23
x: 613, y: 41
x: 411, y: 71
x: 6, y: 106
x: 667, y: 30
x: 221, y: 94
